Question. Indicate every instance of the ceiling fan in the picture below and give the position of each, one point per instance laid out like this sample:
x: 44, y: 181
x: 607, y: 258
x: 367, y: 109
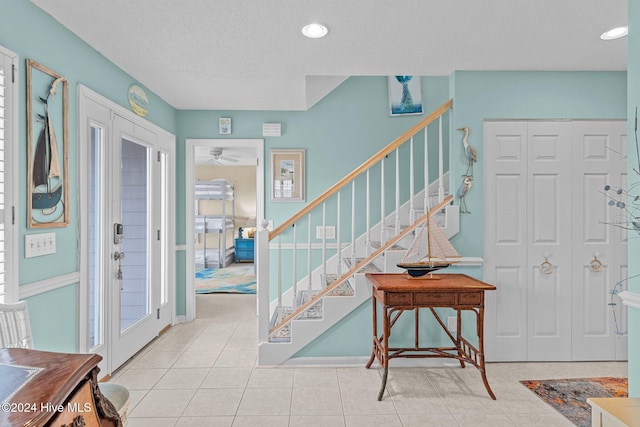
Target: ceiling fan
x: 217, y: 157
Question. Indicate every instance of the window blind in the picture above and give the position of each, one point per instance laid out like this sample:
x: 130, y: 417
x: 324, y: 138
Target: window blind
x: 6, y: 105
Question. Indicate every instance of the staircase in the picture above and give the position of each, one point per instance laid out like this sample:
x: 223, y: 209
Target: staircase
x: 364, y: 223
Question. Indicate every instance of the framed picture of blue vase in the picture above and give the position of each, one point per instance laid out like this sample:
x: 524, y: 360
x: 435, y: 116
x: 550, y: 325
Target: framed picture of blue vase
x: 405, y: 95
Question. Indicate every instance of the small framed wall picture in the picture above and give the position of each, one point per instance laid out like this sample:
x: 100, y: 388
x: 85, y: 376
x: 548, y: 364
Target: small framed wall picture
x: 405, y: 95
x: 287, y: 175
x: 224, y: 126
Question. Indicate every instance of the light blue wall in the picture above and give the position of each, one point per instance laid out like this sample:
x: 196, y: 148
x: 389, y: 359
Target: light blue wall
x: 33, y: 34
x: 54, y: 317
x: 633, y: 83
x: 338, y: 133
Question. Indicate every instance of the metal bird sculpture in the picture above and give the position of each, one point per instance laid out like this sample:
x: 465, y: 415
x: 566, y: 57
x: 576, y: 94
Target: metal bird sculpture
x: 469, y: 151
x: 462, y: 192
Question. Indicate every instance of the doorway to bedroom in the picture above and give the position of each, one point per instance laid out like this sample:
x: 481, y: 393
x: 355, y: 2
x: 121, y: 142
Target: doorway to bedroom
x: 224, y: 204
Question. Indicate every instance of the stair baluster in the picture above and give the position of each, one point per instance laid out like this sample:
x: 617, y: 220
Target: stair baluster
x: 397, y: 206
x: 440, y: 161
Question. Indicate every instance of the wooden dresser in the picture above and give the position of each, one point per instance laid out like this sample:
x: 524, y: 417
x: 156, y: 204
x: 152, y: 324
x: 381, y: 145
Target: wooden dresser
x: 41, y: 388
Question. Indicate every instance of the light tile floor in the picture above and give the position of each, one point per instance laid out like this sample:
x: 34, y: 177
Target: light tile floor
x: 202, y: 374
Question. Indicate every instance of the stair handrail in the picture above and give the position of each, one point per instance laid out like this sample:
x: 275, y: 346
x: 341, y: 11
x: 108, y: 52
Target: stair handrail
x: 447, y: 200
x: 393, y: 145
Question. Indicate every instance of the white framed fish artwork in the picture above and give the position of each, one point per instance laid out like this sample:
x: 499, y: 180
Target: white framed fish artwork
x: 48, y: 147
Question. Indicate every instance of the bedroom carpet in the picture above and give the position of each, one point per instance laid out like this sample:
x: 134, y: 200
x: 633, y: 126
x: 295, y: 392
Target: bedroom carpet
x: 236, y: 278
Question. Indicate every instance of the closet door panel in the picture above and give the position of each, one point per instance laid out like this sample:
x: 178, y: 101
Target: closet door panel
x: 599, y: 163
x: 505, y: 234
x: 549, y: 240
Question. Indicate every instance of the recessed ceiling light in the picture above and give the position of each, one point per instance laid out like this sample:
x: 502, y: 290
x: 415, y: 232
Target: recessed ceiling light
x: 614, y: 33
x: 315, y: 31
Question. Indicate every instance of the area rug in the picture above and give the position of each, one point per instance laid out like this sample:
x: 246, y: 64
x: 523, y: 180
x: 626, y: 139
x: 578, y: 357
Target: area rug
x: 234, y: 279
x: 569, y: 396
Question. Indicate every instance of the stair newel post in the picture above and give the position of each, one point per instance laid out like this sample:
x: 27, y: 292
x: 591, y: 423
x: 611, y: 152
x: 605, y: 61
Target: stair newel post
x: 426, y: 170
x: 280, y: 270
x: 412, y: 210
x: 368, y: 216
x: 295, y: 262
x: 397, y: 221
x: 324, y: 243
x: 353, y: 223
x: 338, y: 245
x: 382, y: 241
x: 309, y: 272
x: 262, y: 278
x: 440, y: 162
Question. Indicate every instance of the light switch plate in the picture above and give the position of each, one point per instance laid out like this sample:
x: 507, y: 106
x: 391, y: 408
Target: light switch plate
x: 39, y: 244
x: 329, y: 232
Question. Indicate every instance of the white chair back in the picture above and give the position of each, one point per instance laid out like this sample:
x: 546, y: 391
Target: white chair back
x: 15, y: 328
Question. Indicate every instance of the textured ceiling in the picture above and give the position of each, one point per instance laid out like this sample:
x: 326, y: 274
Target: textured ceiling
x: 250, y: 54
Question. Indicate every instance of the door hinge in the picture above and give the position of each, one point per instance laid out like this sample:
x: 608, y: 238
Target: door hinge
x: 14, y: 69
x: 159, y: 156
x: 158, y: 234
x: 13, y: 215
x: 257, y: 162
x: 158, y: 313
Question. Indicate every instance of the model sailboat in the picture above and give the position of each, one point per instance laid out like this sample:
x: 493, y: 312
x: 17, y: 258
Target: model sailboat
x: 429, y: 251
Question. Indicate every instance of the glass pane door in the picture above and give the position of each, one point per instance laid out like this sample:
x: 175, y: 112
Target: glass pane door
x: 134, y: 295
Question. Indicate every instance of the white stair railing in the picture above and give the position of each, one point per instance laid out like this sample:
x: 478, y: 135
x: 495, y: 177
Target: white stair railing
x: 367, y: 219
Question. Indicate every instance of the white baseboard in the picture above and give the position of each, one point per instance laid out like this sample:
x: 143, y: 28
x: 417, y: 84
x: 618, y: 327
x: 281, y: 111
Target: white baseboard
x: 361, y: 361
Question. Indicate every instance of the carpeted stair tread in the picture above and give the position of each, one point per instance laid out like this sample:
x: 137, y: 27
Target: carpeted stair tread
x: 343, y: 289
x: 284, y: 334
x: 377, y: 245
x: 369, y: 268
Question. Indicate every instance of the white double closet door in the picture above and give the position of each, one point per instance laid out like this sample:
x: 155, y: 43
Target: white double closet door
x: 550, y: 245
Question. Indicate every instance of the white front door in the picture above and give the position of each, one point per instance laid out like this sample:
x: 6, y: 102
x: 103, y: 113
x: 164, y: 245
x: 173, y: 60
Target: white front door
x: 136, y: 263
x: 541, y: 202
x: 127, y: 183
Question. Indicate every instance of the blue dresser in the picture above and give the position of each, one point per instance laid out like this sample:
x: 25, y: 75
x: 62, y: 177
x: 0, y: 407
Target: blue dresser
x: 244, y: 250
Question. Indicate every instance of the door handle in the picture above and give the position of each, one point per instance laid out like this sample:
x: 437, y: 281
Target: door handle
x: 546, y: 267
x: 595, y: 265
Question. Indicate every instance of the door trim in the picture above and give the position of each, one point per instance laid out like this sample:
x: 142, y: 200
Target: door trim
x: 84, y: 94
x: 258, y: 145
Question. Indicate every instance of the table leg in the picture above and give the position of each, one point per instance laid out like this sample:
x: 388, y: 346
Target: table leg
x: 384, y: 382
x: 458, y: 333
x: 483, y: 372
x: 375, y: 333
x: 384, y: 363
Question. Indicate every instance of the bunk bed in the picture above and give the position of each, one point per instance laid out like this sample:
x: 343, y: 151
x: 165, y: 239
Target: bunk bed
x: 214, y: 223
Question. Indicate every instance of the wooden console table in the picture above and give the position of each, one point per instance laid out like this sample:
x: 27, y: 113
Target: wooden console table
x: 397, y: 293
x: 40, y: 388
